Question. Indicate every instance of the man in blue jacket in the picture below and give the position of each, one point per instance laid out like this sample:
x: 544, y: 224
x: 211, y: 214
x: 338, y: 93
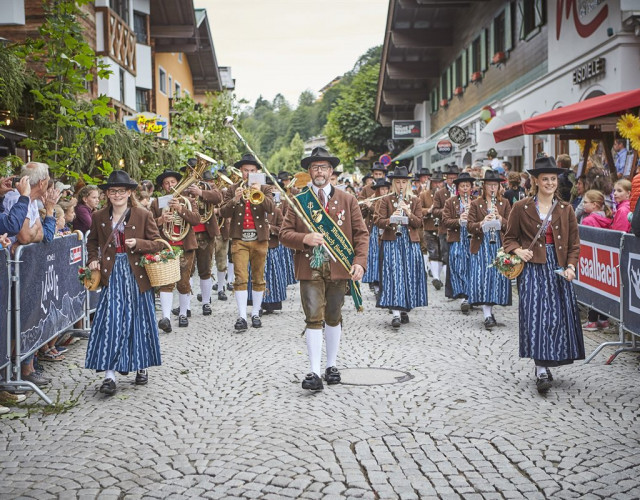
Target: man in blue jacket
x: 11, y: 221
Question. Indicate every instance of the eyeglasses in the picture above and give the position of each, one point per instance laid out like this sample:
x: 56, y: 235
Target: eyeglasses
x: 120, y: 192
x: 320, y: 168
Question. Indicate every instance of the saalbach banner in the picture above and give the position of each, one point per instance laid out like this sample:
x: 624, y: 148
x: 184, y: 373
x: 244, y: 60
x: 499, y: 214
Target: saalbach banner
x: 50, y: 296
x: 598, y: 280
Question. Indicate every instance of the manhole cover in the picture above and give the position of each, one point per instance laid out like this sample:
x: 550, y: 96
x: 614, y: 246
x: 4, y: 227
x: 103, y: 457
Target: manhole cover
x: 373, y: 376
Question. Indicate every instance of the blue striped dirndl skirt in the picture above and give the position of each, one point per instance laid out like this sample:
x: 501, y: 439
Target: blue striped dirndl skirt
x: 459, y: 257
x: 124, y: 334
x: 403, y: 283
x: 486, y: 285
x: 289, y: 266
x: 372, y: 274
x: 550, y: 328
x: 275, y: 275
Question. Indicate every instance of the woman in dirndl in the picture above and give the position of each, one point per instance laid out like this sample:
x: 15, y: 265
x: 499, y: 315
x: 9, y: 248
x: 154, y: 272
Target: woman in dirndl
x: 368, y: 207
x: 486, y: 224
x: 403, y: 284
x: 124, y: 334
x: 454, y: 218
x: 550, y: 329
x: 275, y: 271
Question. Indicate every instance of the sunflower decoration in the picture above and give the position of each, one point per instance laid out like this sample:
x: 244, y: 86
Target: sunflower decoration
x: 582, y: 144
x: 634, y: 137
x: 626, y: 125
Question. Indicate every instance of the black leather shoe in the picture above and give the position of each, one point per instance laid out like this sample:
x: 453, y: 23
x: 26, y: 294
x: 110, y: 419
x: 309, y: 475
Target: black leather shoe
x: 437, y: 284
x: 165, y: 325
x: 490, y: 322
x: 404, y: 317
x: 256, y: 322
x: 395, y: 322
x: 176, y: 310
x: 214, y: 287
x: 108, y: 387
x: 312, y: 382
x: 464, y: 306
x: 206, y: 310
x: 543, y: 384
x: 549, y: 375
x: 332, y: 375
x: 183, y: 321
x: 222, y: 295
x: 241, y: 325
x: 230, y: 287
x: 142, y: 377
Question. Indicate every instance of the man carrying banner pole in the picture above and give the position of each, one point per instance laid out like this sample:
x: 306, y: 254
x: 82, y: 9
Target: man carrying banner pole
x: 338, y: 228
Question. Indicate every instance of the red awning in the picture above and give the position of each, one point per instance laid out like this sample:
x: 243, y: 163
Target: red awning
x: 572, y: 114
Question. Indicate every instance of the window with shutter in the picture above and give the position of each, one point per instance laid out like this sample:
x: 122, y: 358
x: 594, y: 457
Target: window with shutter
x: 483, y: 50
x: 464, y: 70
x: 532, y: 17
x: 508, y: 27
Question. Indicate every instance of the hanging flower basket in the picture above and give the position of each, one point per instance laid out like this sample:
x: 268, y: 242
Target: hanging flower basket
x: 458, y: 91
x: 444, y: 103
x: 476, y: 77
x: 499, y: 58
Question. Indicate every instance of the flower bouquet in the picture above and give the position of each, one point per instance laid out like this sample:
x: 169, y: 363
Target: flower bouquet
x: 90, y: 279
x: 508, y: 264
x: 163, y: 268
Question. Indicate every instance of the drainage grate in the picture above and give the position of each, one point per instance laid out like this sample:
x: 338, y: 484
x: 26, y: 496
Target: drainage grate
x: 373, y: 376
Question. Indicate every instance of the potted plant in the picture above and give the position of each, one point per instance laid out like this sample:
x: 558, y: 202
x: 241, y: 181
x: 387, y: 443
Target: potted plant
x: 458, y: 91
x: 476, y: 77
x: 499, y: 58
x: 444, y: 103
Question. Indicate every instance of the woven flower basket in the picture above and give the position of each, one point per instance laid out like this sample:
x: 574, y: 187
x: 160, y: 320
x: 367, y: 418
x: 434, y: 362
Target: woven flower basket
x: 163, y: 273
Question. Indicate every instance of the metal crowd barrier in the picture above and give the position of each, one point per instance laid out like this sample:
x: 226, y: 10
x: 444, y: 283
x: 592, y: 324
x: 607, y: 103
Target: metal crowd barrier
x: 47, y: 300
x: 5, y: 317
x: 608, y: 281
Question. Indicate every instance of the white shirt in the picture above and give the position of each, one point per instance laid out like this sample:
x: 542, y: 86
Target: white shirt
x: 326, y: 189
x: 11, y: 198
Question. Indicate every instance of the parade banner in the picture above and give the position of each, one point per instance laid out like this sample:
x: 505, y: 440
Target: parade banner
x: 598, y: 271
x: 630, y: 275
x: 5, y: 293
x: 49, y: 296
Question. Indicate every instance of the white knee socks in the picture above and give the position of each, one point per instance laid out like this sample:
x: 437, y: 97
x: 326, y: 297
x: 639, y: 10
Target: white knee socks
x: 110, y: 374
x: 425, y: 259
x: 230, y: 273
x: 487, y: 311
x: 222, y: 280
x: 184, y: 299
x: 396, y: 313
x: 256, y: 298
x: 435, y: 269
x: 241, y: 301
x: 314, y: 348
x: 205, y: 290
x: 332, y: 336
x: 166, y: 301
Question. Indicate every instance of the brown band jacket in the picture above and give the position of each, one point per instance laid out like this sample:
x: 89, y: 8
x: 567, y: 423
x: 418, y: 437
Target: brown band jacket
x: 426, y: 201
x: 523, y: 226
x: 139, y: 225
x: 439, y: 199
x: 385, y: 209
x: 451, y: 218
x: 235, y: 212
x: 366, y: 192
x: 190, y: 216
x: 275, y: 223
x: 213, y: 197
x: 477, y: 212
x: 344, y: 210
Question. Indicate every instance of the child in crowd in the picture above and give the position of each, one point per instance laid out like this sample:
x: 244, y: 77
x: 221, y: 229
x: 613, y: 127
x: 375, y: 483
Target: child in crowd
x: 621, y: 195
x: 598, y: 214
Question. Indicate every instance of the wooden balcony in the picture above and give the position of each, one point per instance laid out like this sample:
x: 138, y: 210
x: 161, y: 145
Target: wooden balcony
x: 119, y: 39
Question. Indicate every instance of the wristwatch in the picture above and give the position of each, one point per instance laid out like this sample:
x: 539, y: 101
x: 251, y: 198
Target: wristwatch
x: 572, y: 267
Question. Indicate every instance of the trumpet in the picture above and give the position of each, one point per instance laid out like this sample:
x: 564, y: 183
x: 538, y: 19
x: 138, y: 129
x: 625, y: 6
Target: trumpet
x: 254, y: 196
x: 177, y: 228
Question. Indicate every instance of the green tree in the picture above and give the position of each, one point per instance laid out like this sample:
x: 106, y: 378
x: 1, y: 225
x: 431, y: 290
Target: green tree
x: 351, y: 125
x: 287, y: 158
x: 65, y: 119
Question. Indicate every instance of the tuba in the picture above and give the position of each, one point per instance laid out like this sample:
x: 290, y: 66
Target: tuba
x: 204, y: 209
x: 177, y: 228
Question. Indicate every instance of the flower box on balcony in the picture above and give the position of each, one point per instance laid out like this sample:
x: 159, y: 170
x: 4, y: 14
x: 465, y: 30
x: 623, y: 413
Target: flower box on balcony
x: 499, y: 58
x: 476, y: 77
x: 444, y: 103
x: 458, y: 91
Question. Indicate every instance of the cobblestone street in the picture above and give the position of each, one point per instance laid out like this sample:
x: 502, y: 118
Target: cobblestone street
x: 225, y: 417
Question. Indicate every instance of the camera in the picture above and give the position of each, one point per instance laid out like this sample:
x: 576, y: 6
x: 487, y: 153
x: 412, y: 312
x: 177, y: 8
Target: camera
x: 14, y: 181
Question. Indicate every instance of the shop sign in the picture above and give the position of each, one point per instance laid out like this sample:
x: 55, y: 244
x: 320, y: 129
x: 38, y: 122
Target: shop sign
x: 588, y: 70
x: 444, y: 147
x: 457, y: 134
x: 406, y: 129
x: 145, y: 123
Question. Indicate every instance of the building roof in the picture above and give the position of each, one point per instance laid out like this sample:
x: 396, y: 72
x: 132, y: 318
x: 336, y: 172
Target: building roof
x: 177, y: 27
x: 419, y: 41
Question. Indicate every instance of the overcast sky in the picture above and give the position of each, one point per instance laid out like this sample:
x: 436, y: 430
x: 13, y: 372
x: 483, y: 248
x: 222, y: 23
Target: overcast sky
x: 289, y: 46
